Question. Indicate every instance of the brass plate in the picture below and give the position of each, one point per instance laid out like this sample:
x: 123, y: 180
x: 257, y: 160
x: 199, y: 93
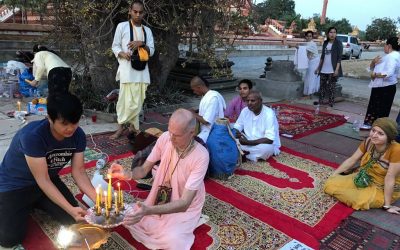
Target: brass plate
x: 95, y: 236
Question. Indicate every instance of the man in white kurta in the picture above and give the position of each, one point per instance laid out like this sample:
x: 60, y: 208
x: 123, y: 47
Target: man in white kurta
x: 133, y: 83
x: 212, y: 106
x: 257, y: 129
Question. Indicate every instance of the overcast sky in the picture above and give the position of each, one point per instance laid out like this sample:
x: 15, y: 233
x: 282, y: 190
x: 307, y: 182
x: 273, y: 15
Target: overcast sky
x: 358, y: 12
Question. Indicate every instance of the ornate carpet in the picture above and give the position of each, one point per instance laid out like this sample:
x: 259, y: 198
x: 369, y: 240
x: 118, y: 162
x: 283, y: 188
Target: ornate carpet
x: 296, y: 122
x: 263, y: 206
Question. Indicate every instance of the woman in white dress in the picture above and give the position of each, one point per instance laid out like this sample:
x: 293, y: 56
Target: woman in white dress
x: 311, y: 80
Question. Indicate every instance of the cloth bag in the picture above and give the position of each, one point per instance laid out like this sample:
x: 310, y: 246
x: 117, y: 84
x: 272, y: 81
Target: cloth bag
x: 225, y: 155
x: 140, y: 56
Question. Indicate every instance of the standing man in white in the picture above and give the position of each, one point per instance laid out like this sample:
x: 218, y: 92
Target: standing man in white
x: 133, y: 83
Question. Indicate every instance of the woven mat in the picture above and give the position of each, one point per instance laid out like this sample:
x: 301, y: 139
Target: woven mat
x: 102, y: 142
x: 356, y: 234
x: 296, y: 122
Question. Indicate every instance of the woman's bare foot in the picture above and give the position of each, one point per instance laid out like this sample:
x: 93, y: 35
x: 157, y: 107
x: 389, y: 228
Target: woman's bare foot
x: 117, y: 133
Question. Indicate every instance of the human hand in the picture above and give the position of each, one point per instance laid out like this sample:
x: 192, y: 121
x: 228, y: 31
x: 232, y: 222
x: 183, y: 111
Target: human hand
x: 316, y: 72
x: 336, y: 73
x: 140, y: 211
x: 243, y: 140
x: 376, y: 60
x: 124, y: 55
x: 117, y: 171
x: 78, y: 213
x: 133, y: 45
x: 33, y: 83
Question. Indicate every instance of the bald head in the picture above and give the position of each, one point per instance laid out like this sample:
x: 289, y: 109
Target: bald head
x: 184, y: 119
x: 255, y: 94
x: 198, y: 81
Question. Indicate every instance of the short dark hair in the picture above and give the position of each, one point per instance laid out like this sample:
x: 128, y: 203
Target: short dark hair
x: 394, y: 41
x: 206, y: 83
x: 246, y: 81
x: 38, y: 48
x: 66, y: 106
x: 308, y: 32
x: 136, y: 2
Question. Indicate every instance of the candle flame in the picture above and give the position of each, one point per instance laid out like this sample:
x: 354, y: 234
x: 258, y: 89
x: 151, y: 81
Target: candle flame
x: 119, y: 184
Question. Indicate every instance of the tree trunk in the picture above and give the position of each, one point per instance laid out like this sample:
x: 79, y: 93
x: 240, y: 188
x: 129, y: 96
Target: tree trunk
x: 161, y: 64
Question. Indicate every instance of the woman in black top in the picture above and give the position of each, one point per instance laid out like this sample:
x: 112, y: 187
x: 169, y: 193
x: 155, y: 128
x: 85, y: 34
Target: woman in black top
x: 329, y: 66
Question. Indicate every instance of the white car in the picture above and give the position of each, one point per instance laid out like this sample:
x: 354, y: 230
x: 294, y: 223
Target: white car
x: 351, y: 47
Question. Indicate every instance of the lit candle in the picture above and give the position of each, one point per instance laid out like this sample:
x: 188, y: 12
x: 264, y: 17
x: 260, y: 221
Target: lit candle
x: 106, y: 204
x: 19, y: 105
x: 119, y: 193
x: 101, y: 196
x: 116, y: 203
x: 122, y: 200
x: 97, y: 208
x: 109, y: 192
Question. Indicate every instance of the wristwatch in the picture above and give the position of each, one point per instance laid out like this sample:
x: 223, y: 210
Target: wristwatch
x: 386, y: 207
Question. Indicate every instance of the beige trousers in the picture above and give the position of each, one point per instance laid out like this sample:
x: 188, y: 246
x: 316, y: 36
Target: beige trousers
x: 130, y: 102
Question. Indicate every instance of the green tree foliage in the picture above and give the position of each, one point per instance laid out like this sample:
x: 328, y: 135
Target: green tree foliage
x: 275, y: 9
x: 380, y: 29
x: 86, y: 27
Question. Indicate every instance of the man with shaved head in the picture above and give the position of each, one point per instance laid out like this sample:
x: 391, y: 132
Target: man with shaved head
x: 257, y: 129
x: 171, y: 212
x: 212, y: 106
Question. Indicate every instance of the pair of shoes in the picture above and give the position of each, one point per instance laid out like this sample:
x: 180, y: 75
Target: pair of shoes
x: 365, y: 127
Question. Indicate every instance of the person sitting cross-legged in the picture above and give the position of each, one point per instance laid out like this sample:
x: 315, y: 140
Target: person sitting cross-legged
x: 29, y: 171
x: 171, y: 212
x: 211, y: 107
x: 257, y: 129
x: 376, y: 182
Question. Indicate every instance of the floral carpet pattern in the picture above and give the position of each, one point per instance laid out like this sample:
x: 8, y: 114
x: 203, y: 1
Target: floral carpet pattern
x: 297, y: 122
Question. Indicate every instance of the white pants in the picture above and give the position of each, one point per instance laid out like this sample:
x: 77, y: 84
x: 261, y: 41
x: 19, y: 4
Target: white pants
x: 260, y: 151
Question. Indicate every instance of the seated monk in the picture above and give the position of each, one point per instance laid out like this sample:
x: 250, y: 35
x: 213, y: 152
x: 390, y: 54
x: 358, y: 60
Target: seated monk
x: 171, y: 212
x: 260, y: 129
x: 238, y: 103
x: 380, y: 160
x: 211, y: 107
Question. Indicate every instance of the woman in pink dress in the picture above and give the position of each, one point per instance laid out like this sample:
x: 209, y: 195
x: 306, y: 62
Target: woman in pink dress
x: 238, y: 103
x: 171, y: 212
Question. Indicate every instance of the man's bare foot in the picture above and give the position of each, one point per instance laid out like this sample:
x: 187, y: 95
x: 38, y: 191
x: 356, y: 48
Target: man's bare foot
x: 117, y: 133
x: 133, y: 130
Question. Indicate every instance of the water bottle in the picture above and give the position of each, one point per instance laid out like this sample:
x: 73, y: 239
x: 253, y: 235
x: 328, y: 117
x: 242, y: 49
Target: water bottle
x: 100, y: 163
x: 356, y: 125
x: 317, y: 109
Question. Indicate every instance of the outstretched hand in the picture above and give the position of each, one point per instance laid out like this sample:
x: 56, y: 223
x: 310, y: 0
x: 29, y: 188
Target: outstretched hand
x: 78, y: 214
x: 140, y: 211
x: 117, y: 171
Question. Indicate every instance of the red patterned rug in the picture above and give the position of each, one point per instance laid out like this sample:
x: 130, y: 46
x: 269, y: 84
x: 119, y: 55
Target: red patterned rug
x: 296, y: 122
x: 102, y: 142
x: 263, y: 206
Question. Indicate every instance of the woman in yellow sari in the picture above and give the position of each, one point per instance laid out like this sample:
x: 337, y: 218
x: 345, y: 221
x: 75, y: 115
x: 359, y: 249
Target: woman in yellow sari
x: 376, y: 184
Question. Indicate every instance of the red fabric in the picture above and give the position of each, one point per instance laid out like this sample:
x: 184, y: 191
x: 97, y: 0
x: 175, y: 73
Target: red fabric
x: 36, y: 238
x: 300, y: 122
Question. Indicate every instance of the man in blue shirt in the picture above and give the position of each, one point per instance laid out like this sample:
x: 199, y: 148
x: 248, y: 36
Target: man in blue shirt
x: 29, y: 171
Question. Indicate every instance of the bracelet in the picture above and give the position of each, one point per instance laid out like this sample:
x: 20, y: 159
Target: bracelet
x: 386, y: 207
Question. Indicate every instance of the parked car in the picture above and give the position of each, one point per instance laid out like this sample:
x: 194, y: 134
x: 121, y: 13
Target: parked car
x: 351, y: 47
